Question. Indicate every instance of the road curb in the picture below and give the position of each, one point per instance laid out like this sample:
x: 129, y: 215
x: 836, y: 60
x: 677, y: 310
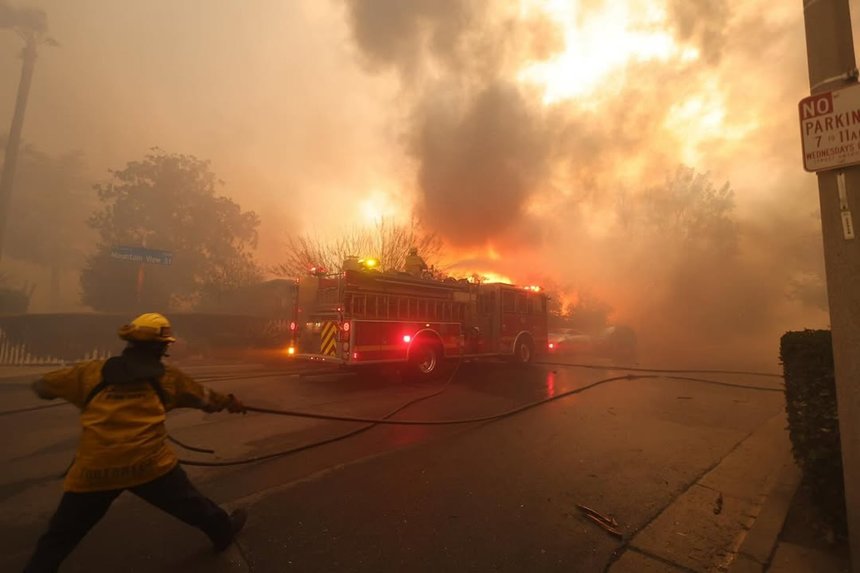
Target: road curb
x: 761, y: 540
x: 708, y: 525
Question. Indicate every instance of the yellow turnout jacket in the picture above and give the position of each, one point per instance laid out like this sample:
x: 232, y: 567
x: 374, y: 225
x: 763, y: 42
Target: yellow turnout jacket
x: 123, y: 438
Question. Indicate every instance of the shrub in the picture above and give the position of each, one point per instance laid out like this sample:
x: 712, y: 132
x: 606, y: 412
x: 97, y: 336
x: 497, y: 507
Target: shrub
x: 13, y: 301
x: 813, y: 421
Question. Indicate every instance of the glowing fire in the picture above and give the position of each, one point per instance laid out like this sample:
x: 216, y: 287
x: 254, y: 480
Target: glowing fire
x: 601, y: 44
x: 378, y: 206
x: 491, y: 277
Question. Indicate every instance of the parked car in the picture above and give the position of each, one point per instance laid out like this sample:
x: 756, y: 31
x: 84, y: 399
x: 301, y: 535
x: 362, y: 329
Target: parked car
x: 615, y: 342
x: 569, y: 341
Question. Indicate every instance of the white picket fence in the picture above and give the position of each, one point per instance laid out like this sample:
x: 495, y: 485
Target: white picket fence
x: 19, y: 355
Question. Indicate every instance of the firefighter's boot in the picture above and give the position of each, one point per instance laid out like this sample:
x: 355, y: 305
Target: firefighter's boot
x: 237, y: 522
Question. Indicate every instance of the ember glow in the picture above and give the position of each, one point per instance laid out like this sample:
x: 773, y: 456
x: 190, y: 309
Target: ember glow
x: 377, y: 207
x: 491, y: 277
x: 602, y: 43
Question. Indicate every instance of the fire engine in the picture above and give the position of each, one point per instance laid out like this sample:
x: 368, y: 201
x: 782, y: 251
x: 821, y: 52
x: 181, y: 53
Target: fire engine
x: 362, y: 316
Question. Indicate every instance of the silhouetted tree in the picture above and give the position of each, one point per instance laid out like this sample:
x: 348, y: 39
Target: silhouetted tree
x: 31, y: 24
x: 584, y: 310
x: 14, y: 298
x: 168, y: 202
x: 588, y: 312
x: 678, y: 244
x: 687, y: 212
x: 387, y: 242
x: 49, y: 209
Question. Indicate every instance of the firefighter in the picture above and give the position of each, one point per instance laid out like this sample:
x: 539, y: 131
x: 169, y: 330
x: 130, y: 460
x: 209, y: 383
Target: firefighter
x: 123, y: 446
x: 351, y: 263
x: 415, y: 265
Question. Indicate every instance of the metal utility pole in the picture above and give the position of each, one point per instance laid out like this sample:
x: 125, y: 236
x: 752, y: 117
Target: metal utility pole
x: 28, y: 55
x: 830, y: 54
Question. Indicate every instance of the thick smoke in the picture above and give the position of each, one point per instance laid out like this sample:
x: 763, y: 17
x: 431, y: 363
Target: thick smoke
x: 480, y: 164
x: 482, y: 142
x: 485, y: 145
x: 443, y: 114
x: 28, y: 20
x: 400, y: 34
x: 702, y: 23
x: 496, y: 164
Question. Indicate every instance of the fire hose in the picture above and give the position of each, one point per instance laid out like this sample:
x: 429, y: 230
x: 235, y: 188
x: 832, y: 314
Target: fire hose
x: 386, y: 420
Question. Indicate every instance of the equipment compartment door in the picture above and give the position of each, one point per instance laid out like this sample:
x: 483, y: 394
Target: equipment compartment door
x: 484, y: 340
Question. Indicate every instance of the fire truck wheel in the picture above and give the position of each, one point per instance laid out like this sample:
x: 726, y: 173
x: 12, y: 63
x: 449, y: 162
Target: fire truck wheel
x: 524, y: 352
x: 426, y: 359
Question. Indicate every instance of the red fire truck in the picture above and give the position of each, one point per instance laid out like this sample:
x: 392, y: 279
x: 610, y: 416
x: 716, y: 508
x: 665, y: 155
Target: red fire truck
x: 365, y: 316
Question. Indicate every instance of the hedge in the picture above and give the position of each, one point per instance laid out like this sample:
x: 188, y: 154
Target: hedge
x: 813, y: 421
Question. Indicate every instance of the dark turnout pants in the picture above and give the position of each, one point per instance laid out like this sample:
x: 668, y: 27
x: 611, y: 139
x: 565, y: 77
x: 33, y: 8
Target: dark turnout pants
x: 79, y: 512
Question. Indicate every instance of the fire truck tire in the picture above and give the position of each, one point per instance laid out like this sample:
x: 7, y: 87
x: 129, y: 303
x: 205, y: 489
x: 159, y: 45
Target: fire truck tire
x: 524, y: 351
x: 426, y: 360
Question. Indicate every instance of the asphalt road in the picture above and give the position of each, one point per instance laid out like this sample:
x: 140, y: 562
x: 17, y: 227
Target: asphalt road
x: 490, y: 496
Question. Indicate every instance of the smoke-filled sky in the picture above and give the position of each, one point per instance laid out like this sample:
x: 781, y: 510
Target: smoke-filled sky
x: 509, y: 127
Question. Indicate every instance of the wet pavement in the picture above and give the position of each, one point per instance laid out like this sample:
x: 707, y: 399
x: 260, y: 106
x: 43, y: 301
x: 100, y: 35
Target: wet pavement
x: 490, y: 496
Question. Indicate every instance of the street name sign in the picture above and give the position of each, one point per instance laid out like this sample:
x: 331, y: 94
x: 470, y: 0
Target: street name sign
x: 830, y: 129
x: 142, y: 255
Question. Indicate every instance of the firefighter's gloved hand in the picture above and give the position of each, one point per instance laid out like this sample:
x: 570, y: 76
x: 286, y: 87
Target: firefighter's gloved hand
x: 235, y: 406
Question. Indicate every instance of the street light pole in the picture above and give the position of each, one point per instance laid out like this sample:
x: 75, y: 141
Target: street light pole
x: 28, y: 55
x: 830, y: 55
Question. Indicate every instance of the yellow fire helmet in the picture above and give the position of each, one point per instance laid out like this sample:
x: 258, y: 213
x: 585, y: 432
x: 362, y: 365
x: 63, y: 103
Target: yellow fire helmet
x: 152, y: 327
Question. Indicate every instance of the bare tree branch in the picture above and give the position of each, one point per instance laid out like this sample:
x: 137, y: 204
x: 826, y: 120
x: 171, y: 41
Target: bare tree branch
x: 386, y: 241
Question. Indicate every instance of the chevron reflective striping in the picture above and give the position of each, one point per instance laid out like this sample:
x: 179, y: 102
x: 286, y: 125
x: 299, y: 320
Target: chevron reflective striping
x: 328, y: 339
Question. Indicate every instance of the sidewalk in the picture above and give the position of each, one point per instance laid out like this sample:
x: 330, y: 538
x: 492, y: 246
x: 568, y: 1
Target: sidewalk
x: 803, y: 543
x: 731, y: 518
